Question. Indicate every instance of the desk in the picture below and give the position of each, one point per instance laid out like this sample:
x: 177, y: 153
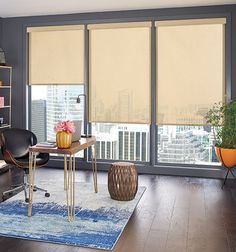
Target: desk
x: 69, y: 170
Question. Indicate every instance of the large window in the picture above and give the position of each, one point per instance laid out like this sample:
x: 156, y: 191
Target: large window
x: 122, y: 141
x: 190, y: 78
x: 56, y: 76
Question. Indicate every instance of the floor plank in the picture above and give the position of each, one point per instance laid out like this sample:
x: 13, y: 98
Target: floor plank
x: 174, y: 214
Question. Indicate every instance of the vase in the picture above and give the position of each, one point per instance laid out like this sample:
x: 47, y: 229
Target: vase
x: 64, y: 140
x: 226, y: 156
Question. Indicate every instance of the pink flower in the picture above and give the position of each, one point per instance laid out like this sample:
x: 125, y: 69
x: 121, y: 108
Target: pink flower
x: 66, y: 126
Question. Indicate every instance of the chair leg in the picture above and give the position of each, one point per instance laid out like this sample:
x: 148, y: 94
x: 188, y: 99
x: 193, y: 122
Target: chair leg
x: 225, y: 178
x: 25, y: 191
x: 47, y: 194
x: 13, y: 190
x: 40, y: 189
x: 36, y: 187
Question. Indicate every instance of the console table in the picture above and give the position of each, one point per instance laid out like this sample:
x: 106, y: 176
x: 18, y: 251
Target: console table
x: 69, y: 170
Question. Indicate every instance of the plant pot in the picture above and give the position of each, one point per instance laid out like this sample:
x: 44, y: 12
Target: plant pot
x: 64, y: 140
x: 226, y: 156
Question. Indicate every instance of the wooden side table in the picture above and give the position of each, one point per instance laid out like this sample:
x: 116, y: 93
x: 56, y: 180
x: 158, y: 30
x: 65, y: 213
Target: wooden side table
x: 122, y: 181
x: 69, y: 170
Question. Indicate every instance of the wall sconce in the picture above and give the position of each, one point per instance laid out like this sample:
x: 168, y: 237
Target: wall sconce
x: 2, y: 58
x: 78, y: 100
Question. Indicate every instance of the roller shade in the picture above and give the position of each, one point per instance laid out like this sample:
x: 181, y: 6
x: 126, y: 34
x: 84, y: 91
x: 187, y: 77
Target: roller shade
x: 190, y: 69
x: 119, y: 73
x: 56, y: 55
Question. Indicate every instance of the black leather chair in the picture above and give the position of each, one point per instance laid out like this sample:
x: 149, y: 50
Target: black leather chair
x: 15, y: 145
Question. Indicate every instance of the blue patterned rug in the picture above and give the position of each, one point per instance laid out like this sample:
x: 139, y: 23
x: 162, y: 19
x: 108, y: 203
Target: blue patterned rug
x: 99, y: 219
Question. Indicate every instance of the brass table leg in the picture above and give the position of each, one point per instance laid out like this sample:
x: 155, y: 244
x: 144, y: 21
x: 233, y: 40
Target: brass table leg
x: 32, y: 166
x: 73, y: 182
x: 65, y: 172
x: 94, y: 166
x: 66, y: 184
x: 70, y: 188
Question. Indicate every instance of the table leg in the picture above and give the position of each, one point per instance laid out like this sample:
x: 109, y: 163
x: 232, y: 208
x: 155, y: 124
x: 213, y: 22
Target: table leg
x: 70, y: 186
x: 73, y: 182
x: 32, y: 165
x: 70, y: 189
x: 94, y: 166
x: 65, y: 172
x: 66, y: 183
x: 30, y: 182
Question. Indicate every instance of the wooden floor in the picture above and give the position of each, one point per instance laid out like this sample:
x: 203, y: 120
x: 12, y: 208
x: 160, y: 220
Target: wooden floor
x: 175, y: 214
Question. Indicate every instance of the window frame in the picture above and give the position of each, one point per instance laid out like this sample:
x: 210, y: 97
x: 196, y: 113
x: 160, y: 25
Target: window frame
x: 153, y: 166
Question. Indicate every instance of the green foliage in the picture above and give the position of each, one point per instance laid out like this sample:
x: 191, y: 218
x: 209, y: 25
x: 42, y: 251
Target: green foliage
x: 222, y: 117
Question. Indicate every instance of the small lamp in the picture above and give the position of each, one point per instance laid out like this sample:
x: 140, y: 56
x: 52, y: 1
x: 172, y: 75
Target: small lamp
x: 78, y: 100
x: 2, y: 58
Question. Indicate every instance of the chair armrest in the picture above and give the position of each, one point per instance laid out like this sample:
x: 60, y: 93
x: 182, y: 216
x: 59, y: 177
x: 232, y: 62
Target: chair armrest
x: 8, y: 158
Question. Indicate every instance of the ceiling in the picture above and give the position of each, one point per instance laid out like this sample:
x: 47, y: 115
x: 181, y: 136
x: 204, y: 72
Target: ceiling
x: 16, y: 8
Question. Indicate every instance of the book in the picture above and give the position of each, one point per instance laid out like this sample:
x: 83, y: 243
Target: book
x: 46, y: 144
x: 1, y: 101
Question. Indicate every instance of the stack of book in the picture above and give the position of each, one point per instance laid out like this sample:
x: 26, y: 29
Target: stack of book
x: 46, y: 144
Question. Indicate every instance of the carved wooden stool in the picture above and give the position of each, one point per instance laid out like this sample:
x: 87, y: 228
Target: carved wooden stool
x: 122, y: 181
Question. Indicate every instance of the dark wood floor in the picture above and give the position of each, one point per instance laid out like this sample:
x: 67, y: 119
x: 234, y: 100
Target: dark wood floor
x: 175, y: 214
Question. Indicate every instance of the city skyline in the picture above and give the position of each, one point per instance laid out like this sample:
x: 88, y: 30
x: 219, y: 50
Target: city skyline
x: 175, y: 144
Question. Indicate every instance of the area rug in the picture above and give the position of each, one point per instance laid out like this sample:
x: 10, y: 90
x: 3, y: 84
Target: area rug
x: 99, y: 219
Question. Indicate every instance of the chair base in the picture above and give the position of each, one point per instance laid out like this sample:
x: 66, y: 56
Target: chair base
x: 25, y: 187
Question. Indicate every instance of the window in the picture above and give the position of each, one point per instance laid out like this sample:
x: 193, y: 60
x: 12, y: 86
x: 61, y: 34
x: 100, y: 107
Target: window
x: 132, y: 144
x: 109, y: 150
x: 190, y: 79
x: 190, y: 72
x: 138, y: 145
x: 56, y: 76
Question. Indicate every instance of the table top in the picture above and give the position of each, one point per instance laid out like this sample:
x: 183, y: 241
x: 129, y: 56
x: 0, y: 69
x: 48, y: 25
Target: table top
x: 82, y: 144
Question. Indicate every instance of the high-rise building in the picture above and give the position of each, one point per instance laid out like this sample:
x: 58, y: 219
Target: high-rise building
x: 184, y: 144
x: 61, y: 105
x: 38, y: 118
x: 122, y: 141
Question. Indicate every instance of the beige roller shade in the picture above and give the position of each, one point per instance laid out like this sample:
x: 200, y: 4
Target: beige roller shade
x: 120, y: 73
x: 190, y: 70
x: 56, y: 55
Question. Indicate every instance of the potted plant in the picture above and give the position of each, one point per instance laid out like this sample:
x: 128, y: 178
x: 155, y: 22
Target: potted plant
x: 222, y: 117
x: 64, y: 131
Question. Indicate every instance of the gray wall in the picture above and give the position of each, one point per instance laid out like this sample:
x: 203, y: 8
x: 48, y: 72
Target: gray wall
x: 0, y: 32
x: 14, y: 43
